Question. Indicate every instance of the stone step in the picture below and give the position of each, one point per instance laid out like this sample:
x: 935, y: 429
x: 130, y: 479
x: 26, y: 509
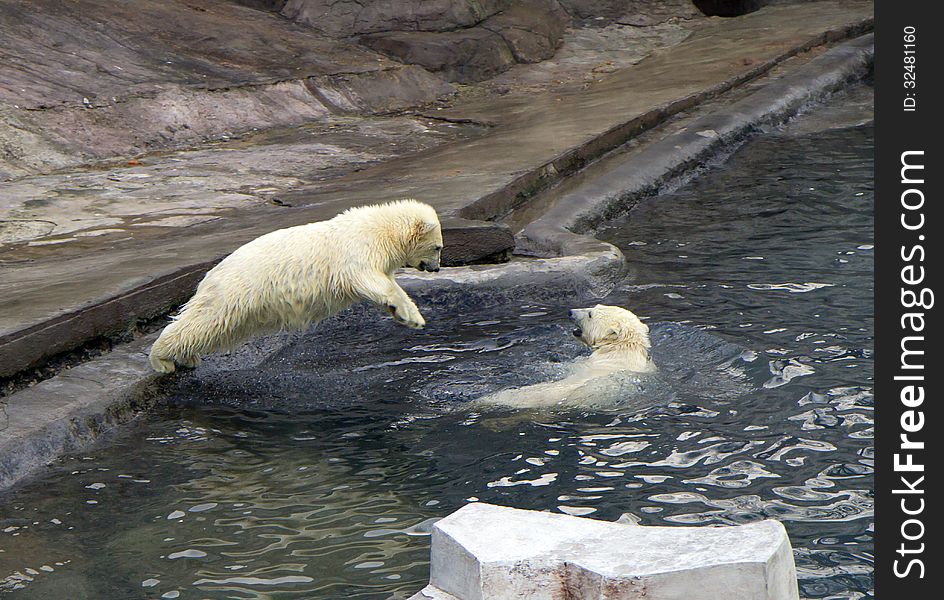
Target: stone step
x: 488, y: 552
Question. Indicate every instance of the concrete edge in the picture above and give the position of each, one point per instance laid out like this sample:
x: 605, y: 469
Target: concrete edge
x: 74, y: 409
x: 29, y: 347
x: 557, y: 232
x: 590, y: 274
x: 529, y: 184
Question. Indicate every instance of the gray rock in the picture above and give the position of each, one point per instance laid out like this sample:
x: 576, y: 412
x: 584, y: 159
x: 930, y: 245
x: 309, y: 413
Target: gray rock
x: 464, y: 56
x: 645, y: 13
x: 356, y: 17
x: 475, y: 242
x: 640, y: 13
x: 93, y: 53
x: 491, y: 552
x: 464, y: 40
x: 109, y: 80
x: 378, y: 92
x: 589, y: 9
x: 533, y: 29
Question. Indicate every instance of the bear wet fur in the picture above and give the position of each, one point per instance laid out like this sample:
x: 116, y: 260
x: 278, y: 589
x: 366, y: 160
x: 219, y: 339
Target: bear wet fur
x: 294, y: 277
x: 621, y: 346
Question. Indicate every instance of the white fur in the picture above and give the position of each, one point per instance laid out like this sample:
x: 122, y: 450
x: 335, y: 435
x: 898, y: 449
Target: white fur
x: 620, y: 344
x: 293, y: 277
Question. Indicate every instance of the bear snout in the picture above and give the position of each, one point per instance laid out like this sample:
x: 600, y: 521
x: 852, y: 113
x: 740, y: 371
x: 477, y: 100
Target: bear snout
x: 578, y: 332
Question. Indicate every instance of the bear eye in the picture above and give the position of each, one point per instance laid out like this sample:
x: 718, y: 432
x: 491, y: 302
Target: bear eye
x: 589, y: 315
x: 437, y: 248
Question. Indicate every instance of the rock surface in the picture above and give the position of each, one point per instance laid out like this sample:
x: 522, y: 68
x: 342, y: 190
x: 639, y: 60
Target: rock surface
x: 640, y: 13
x: 344, y: 18
x: 475, y: 242
x: 464, y: 56
x: 533, y: 29
x: 527, y: 31
x: 90, y: 80
x: 589, y: 9
x: 491, y: 552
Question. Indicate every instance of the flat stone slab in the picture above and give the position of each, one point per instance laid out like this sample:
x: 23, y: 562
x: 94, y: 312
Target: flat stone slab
x: 488, y: 552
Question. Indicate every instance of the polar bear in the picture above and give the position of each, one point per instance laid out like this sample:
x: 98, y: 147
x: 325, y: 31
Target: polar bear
x: 620, y: 344
x: 291, y: 278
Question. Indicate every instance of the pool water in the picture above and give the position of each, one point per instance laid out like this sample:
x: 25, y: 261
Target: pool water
x: 319, y: 472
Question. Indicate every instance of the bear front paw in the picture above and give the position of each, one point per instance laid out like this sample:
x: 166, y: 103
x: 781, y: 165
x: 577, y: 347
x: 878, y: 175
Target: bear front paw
x: 163, y: 365
x: 416, y: 322
x: 407, y: 315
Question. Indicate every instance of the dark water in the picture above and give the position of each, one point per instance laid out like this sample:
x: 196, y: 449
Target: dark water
x: 319, y: 473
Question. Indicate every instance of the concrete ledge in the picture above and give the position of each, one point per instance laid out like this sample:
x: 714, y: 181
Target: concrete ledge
x: 592, y: 274
x: 28, y: 347
x: 487, y: 552
x: 72, y: 410
x: 615, y: 187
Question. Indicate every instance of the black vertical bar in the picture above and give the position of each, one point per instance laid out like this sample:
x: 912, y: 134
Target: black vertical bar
x: 908, y: 266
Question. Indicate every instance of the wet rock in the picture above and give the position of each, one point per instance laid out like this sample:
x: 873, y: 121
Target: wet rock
x: 487, y: 551
x: 464, y: 56
x: 533, y: 29
x: 379, y: 92
x: 528, y: 31
x: 475, y: 242
x: 356, y: 17
x: 591, y: 9
x: 640, y: 13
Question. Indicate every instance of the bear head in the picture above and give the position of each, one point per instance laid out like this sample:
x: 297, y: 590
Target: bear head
x: 610, y: 328
x: 425, y: 242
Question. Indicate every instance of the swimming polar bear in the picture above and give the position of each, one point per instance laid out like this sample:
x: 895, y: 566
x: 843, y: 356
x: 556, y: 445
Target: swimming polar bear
x: 291, y: 278
x: 620, y: 344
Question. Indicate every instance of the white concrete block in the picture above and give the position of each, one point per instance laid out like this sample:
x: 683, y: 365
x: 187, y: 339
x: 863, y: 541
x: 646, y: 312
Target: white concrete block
x: 487, y: 552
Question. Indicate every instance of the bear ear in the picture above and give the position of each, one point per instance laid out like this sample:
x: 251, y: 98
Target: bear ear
x: 423, y: 228
x: 613, y: 333
x: 623, y: 334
